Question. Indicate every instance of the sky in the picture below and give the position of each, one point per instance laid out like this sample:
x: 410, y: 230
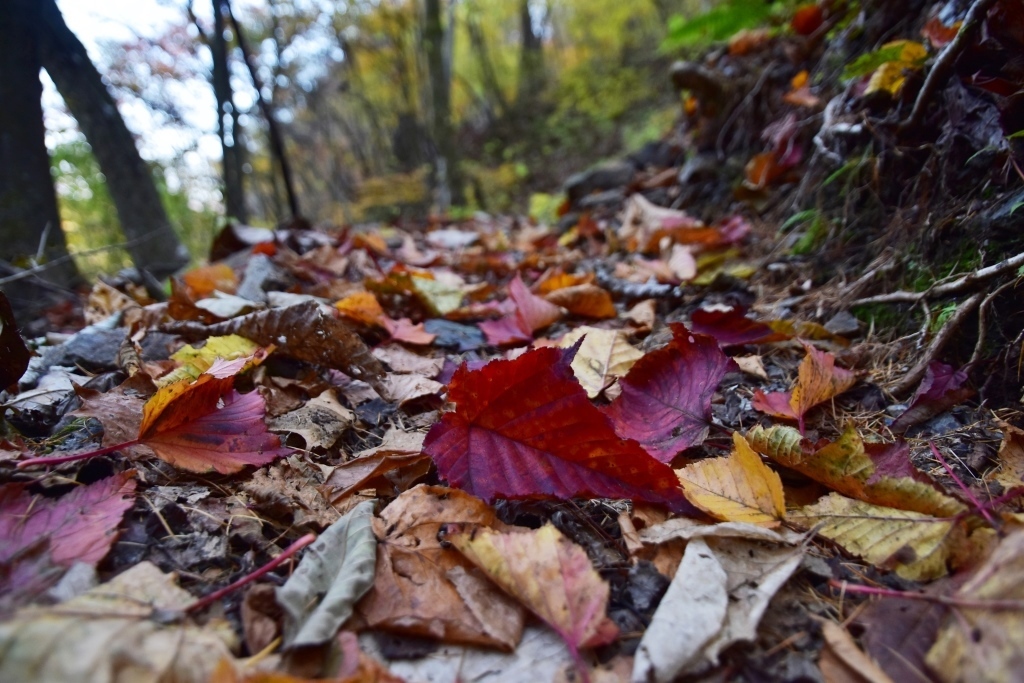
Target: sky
x: 97, y: 22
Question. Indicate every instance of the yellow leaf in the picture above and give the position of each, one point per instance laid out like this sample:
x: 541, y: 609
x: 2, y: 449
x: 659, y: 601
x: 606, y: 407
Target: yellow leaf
x: 916, y: 546
x: 890, y: 76
x: 603, y: 356
x: 362, y: 307
x: 845, y: 466
x: 737, y: 488
x: 197, y: 361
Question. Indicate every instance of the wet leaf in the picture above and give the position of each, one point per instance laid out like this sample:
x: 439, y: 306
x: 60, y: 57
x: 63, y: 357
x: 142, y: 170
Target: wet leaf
x: 818, y: 380
x: 737, y: 488
x: 524, y: 428
x: 916, y: 546
x: 666, y: 397
x: 603, y: 356
x: 333, y: 574
x: 881, y: 474
x: 546, y: 572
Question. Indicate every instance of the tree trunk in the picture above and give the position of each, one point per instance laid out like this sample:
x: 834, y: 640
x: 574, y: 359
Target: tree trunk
x: 152, y: 243
x: 29, y: 219
x: 446, y: 169
x: 228, y: 129
x: 531, y: 59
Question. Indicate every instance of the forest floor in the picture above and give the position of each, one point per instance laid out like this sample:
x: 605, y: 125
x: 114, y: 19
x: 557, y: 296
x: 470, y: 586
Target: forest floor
x: 748, y: 409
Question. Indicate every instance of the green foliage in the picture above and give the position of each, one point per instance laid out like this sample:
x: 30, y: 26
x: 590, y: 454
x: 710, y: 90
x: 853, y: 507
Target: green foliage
x: 813, y: 236
x: 718, y: 23
x: 869, y: 62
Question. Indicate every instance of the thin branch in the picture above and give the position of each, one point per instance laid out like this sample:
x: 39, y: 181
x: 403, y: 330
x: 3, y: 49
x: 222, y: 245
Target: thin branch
x: 957, y: 286
x: 947, y: 600
x: 912, y: 378
x: 943, y: 66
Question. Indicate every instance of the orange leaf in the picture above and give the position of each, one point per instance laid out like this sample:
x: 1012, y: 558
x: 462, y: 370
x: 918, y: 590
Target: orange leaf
x: 362, y: 307
x: 204, y: 279
x: 549, y: 574
x: 587, y: 300
x: 763, y: 170
x: 818, y: 381
x: 807, y: 19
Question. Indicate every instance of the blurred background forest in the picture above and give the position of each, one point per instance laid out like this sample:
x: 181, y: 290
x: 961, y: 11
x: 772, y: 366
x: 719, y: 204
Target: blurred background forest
x: 384, y: 109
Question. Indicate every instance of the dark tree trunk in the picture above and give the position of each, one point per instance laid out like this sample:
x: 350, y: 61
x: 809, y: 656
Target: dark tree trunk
x: 228, y: 129
x: 152, y: 243
x: 446, y: 168
x: 531, y: 59
x: 28, y: 203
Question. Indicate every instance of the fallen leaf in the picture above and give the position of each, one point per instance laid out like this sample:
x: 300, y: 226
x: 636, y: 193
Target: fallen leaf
x: 362, y: 307
x: 109, y: 634
x: 524, y: 428
x: 897, y: 634
x: 306, y: 331
x: 530, y: 314
x: 737, y: 488
x: 717, y: 598
x: 941, y: 389
x: 1010, y: 458
x: 404, y: 330
x: 842, y: 660
x: 403, y: 389
x: 401, y: 360
x: 587, y: 300
x: 320, y: 421
x: 643, y: 315
x: 938, y: 34
x: 807, y: 19
x: 14, y: 355
x: 204, y: 280
x: 818, y: 380
x: 427, y: 589
x: 603, y: 356
x: 288, y: 486
x: 666, y: 397
x: 207, y: 425
x: 881, y: 474
x: 333, y: 574
x: 549, y: 574
x: 752, y: 365
x: 732, y: 327
x: 981, y: 643
x: 916, y: 546
x: 368, y: 469
x: 195, y: 362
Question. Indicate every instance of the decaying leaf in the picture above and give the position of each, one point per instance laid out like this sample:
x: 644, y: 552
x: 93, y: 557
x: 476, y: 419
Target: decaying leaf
x: 982, y: 643
x: 307, y: 331
x: 320, y: 421
x: 916, y: 546
x: 881, y: 474
x: 425, y: 589
x: 603, y: 356
x: 737, y: 488
x: 818, y: 380
x: 370, y: 469
x: 334, y: 573
x: 110, y: 633
x: 941, y: 389
x: 524, y: 428
x: 728, y: 575
x: 1011, y: 458
x: 841, y: 659
x: 666, y: 398
x: 549, y: 574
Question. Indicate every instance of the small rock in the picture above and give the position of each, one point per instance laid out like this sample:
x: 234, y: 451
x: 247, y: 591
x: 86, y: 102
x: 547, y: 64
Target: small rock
x: 844, y: 324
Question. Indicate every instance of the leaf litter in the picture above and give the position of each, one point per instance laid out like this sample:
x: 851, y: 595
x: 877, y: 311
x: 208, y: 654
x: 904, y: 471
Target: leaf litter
x: 487, y: 423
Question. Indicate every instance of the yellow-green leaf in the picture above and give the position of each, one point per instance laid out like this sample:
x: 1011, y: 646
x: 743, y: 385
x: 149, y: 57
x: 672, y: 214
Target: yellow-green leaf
x: 195, y: 362
x: 916, y: 546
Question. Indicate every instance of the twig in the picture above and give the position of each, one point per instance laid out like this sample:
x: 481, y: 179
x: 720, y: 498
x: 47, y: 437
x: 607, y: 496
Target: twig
x: 913, y: 377
x: 29, y: 272
x: 216, y: 595
x: 947, y: 600
x: 979, y: 506
x: 957, y: 286
x: 944, y: 63
x: 983, y: 320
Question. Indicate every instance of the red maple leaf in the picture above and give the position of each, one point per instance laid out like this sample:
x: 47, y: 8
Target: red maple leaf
x: 530, y: 314
x: 733, y: 327
x: 524, y: 428
x: 666, y: 397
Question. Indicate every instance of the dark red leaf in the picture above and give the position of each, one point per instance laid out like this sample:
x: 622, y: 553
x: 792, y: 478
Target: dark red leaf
x: 732, y: 327
x: 666, y: 397
x: 13, y: 353
x: 941, y: 389
x: 524, y: 428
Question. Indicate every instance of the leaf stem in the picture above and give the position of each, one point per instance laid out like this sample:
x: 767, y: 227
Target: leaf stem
x: 59, y: 460
x: 287, y: 553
